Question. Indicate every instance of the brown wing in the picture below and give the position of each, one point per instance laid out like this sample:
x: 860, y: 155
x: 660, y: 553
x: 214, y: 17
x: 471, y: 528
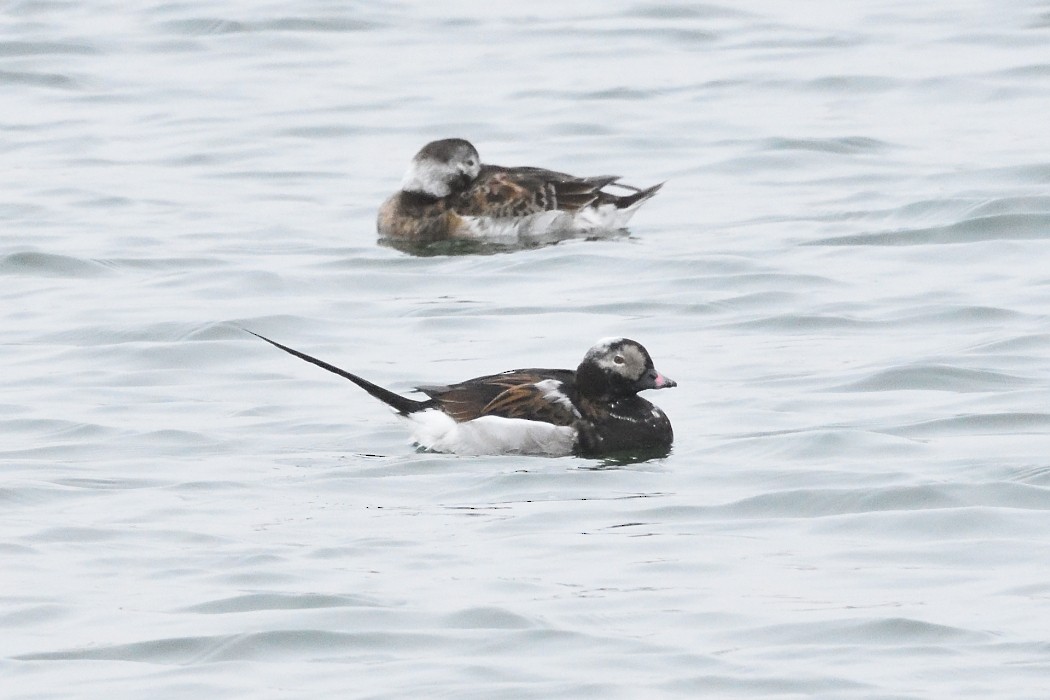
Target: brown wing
x: 540, y: 395
x: 513, y: 192
x: 577, y: 192
x: 533, y: 402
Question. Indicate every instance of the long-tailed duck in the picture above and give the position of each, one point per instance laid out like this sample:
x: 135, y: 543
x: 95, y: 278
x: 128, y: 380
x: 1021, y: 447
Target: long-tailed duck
x: 449, y: 194
x: 594, y: 411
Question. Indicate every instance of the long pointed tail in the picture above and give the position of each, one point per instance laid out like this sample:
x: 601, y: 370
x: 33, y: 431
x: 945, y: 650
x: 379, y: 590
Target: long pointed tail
x: 638, y: 197
x: 399, y: 403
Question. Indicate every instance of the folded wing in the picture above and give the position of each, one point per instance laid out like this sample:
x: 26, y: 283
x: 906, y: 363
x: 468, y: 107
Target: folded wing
x: 517, y: 192
x: 538, y: 395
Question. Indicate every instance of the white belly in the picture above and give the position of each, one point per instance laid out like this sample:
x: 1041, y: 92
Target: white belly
x: 490, y: 435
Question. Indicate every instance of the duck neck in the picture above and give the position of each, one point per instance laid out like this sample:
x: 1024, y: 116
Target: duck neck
x: 594, y: 384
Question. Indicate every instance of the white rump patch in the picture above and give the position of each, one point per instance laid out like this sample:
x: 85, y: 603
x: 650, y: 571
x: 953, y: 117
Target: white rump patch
x: 490, y: 435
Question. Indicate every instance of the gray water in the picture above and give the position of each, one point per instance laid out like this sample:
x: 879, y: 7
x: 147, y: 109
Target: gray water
x: 848, y: 274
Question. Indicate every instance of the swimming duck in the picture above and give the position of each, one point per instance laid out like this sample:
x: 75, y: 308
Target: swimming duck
x: 448, y: 193
x: 592, y: 411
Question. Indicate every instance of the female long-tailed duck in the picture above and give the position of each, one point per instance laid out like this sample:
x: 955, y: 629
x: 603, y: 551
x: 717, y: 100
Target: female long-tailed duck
x: 449, y: 194
x: 594, y: 411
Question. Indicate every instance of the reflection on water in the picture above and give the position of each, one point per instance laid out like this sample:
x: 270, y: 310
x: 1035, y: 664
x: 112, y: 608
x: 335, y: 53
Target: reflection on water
x: 465, y: 246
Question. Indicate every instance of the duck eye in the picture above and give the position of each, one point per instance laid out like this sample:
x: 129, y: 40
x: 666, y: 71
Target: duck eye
x: 618, y: 359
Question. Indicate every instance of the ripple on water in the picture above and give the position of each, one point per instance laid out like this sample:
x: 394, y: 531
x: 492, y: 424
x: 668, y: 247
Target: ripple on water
x: 954, y: 503
x: 981, y: 228
x: 890, y: 631
x: 840, y: 145
x: 51, y: 265
x: 976, y: 424
x: 278, y: 645
x: 32, y: 614
x: 934, y: 378
x: 487, y: 618
x: 45, y: 48
x: 1011, y: 205
x: 254, y: 602
x: 1039, y: 476
x: 197, y: 517
x: 38, y: 79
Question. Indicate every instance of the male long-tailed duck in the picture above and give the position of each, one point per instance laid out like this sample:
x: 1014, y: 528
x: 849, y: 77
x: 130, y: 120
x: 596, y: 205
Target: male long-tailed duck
x: 448, y: 193
x: 594, y: 411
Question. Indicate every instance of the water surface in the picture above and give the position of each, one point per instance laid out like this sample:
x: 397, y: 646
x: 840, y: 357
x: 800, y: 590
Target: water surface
x: 846, y: 273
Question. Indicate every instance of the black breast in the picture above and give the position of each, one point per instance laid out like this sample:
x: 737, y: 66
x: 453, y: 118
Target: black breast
x: 627, y: 425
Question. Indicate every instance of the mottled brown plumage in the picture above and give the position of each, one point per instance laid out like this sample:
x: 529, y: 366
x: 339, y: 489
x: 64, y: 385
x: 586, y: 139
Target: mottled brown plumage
x: 447, y: 194
x: 408, y: 216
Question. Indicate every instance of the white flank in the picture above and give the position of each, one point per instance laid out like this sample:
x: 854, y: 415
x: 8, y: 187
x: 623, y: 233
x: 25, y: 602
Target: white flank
x: 490, y: 435
x: 605, y: 217
x: 549, y: 226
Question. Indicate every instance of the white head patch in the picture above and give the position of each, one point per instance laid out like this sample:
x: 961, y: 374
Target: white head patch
x: 619, y: 356
x: 439, y: 165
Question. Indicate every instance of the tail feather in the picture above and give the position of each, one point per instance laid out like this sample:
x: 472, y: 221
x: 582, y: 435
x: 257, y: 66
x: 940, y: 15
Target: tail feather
x: 638, y: 197
x: 600, y: 181
x: 399, y: 403
x: 572, y: 195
